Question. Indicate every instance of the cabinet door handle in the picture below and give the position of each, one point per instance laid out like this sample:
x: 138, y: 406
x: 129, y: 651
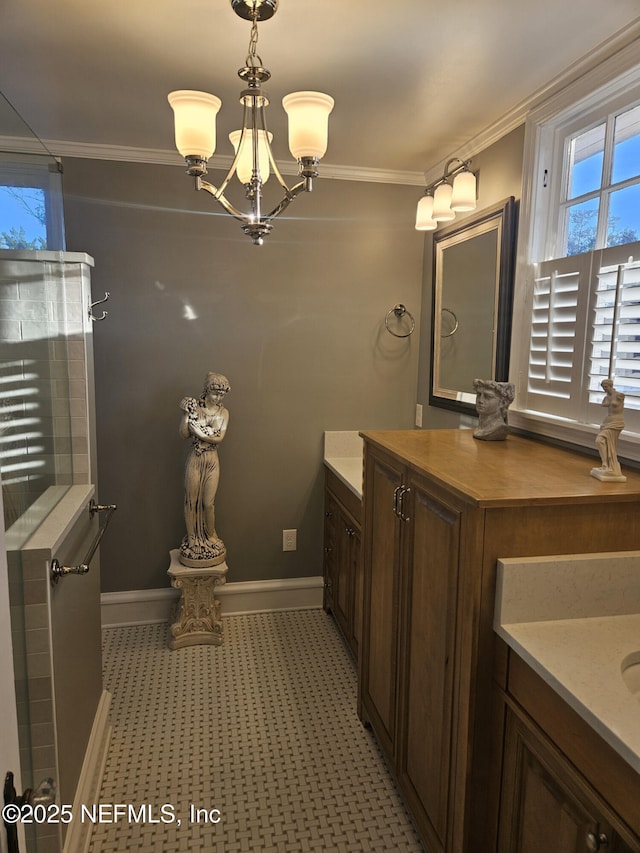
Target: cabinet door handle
x: 596, y: 842
x: 396, y: 492
x: 404, y: 491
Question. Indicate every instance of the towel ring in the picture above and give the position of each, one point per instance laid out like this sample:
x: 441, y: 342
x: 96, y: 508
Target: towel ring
x: 455, y: 321
x: 400, y: 311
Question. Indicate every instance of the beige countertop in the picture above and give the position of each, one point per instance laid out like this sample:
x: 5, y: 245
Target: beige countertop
x: 502, y: 473
x: 343, y: 455
x: 574, y: 620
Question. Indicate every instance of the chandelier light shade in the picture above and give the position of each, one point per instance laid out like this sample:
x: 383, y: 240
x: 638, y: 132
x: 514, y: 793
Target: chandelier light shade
x: 195, y: 122
x: 244, y: 165
x: 442, y: 200
x: 195, y: 131
x: 424, y: 214
x: 308, y: 114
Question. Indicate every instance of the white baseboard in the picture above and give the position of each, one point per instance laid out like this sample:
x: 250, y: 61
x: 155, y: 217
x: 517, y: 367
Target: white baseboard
x: 145, y: 606
x: 78, y: 835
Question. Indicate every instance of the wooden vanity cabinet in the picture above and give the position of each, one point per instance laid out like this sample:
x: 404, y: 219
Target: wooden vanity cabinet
x: 377, y: 683
x: 431, y: 553
x: 342, y: 559
x: 439, y: 509
x: 406, y: 681
x: 548, y: 802
x: 546, y: 805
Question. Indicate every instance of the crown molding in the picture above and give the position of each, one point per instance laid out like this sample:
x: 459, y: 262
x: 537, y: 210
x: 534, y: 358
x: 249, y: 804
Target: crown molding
x: 613, y: 57
x: 87, y: 150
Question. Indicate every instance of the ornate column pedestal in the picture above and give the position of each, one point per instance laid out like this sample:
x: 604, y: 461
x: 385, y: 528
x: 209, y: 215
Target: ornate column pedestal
x: 197, y: 616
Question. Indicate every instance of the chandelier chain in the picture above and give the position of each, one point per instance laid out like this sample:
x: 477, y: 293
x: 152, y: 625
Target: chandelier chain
x: 253, y: 58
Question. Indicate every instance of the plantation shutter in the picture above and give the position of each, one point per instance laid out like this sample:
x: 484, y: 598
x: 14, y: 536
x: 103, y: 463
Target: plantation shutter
x: 560, y: 291
x: 614, y: 344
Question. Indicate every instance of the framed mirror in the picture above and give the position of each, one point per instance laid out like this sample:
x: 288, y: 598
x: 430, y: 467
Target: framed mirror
x: 472, y: 304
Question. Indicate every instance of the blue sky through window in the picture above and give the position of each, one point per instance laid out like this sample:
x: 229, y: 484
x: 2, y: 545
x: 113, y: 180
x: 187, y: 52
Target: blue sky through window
x: 626, y: 159
x: 587, y: 175
x: 624, y: 210
x: 22, y: 214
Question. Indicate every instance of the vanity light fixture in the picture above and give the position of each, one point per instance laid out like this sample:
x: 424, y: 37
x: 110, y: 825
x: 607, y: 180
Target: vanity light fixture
x: 443, y: 199
x: 195, y: 133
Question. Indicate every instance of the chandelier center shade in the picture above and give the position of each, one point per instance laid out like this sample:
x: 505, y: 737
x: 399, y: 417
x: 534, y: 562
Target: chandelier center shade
x: 195, y: 134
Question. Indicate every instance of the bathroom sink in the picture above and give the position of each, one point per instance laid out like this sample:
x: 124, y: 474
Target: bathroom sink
x: 631, y: 673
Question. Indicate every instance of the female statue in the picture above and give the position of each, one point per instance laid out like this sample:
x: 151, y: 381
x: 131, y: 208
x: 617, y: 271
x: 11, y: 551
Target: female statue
x: 205, y: 422
x: 607, y: 438
x: 492, y: 401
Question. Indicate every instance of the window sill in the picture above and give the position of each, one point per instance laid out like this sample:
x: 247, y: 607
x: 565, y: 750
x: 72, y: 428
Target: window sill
x: 571, y: 432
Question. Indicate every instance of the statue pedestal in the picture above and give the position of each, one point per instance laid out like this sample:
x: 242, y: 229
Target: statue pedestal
x: 197, y: 616
x: 607, y: 476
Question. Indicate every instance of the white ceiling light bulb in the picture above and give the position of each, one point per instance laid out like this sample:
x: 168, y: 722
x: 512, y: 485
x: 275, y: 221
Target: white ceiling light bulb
x: 424, y: 214
x: 442, y: 203
x: 463, y: 196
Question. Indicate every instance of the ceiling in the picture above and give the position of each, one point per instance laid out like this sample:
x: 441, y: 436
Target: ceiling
x: 413, y: 80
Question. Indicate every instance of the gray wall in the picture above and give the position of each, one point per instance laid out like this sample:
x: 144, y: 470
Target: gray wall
x: 499, y: 176
x: 297, y: 325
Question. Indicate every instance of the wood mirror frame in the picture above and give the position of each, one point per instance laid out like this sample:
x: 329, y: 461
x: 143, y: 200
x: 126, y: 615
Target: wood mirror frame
x: 471, y: 326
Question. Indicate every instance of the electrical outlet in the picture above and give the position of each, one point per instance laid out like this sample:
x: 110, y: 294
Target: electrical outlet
x: 418, y: 415
x: 289, y: 540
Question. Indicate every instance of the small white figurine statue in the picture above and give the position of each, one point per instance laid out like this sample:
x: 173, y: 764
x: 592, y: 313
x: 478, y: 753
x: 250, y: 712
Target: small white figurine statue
x: 205, y: 422
x: 607, y: 438
x: 492, y: 401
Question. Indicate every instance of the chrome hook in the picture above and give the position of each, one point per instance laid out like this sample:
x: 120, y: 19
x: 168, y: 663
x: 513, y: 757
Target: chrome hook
x: 99, y: 302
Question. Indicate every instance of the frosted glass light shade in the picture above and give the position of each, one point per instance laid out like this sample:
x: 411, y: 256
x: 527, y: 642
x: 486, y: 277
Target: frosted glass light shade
x: 424, y: 214
x: 195, y: 122
x: 463, y: 196
x: 308, y: 123
x: 442, y: 203
x: 244, y: 167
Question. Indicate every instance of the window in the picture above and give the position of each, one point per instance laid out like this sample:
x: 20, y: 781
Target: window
x: 600, y: 204
x: 578, y: 278
x: 30, y: 203
x: 23, y: 223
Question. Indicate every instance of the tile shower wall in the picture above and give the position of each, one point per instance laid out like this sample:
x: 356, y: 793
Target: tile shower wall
x: 45, y: 429
x: 43, y: 373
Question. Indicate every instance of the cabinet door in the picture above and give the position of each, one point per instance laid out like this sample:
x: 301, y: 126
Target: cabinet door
x: 343, y: 583
x: 358, y: 591
x: 378, y: 669
x: 427, y: 655
x: 331, y: 517
x: 343, y: 569
x: 546, y: 806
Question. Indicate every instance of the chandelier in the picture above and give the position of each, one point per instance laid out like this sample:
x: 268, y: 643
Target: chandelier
x: 443, y: 199
x: 195, y: 134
